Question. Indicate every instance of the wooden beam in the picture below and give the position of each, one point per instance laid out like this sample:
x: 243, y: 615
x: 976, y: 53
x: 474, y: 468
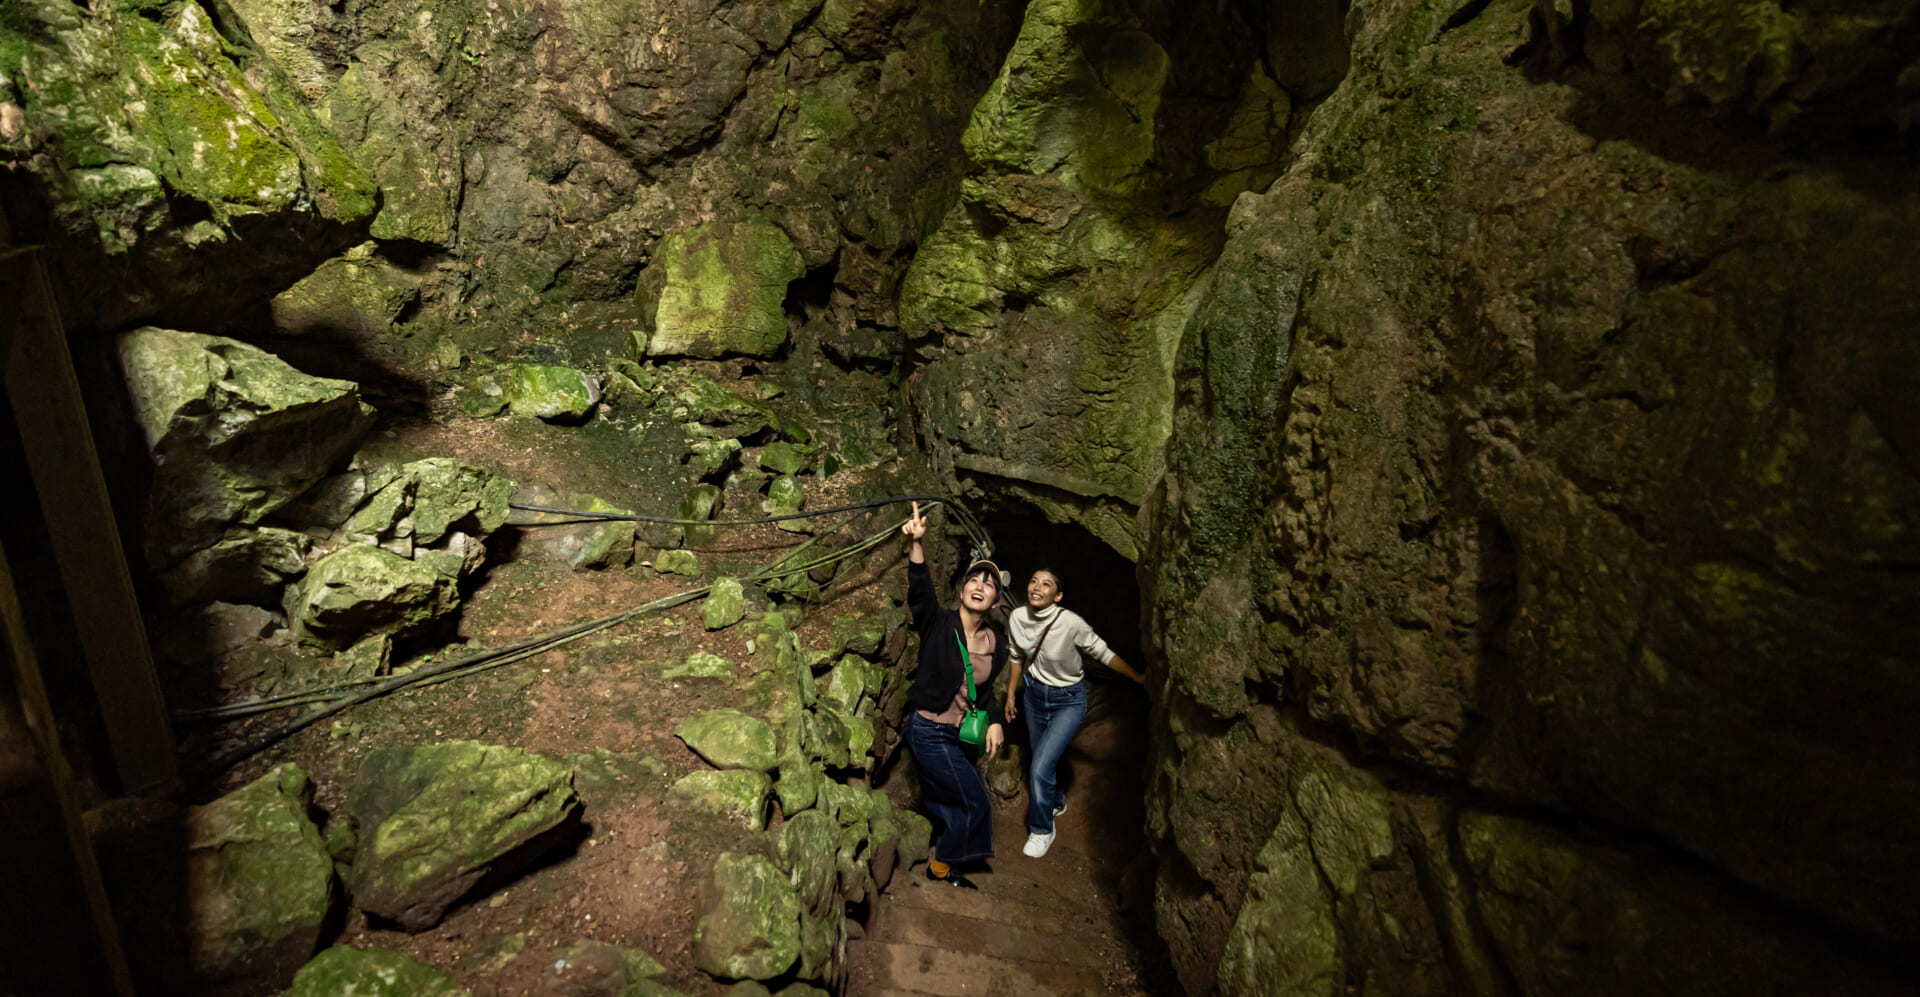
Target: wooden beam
x: 46, y: 839
x: 52, y: 415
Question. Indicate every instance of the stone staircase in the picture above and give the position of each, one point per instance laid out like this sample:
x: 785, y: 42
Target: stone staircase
x: 1078, y: 921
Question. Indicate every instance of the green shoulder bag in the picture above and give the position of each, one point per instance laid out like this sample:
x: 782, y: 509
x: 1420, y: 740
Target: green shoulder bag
x: 973, y: 726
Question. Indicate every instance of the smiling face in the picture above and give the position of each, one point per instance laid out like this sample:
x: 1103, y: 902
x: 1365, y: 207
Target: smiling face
x: 1043, y: 590
x: 979, y: 591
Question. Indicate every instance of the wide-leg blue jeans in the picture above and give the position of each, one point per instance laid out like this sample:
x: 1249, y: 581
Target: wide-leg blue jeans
x: 954, y: 794
x: 1053, y: 716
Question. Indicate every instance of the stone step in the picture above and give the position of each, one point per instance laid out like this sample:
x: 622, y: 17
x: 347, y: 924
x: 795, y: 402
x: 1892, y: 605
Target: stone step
x: 1000, y: 939
x: 1020, y: 905
x: 922, y: 969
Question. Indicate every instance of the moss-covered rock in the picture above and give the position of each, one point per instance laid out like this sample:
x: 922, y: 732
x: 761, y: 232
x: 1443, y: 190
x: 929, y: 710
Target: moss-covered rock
x: 700, y: 665
x: 360, y: 590
x: 809, y: 843
x: 358, y: 294
x: 724, y: 290
x: 436, y: 819
x: 735, y: 793
x: 749, y: 923
x: 260, y: 879
x: 676, y: 562
x: 916, y: 836
x: 251, y: 567
x: 373, y: 972
x: 1554, y: 465
x: 602, y: 545
x: 729, y: 739
x: 798, y: 786
x: 725, y: 605
x: 234, y: 433
x: 545, y: 391
x: 166, y: 148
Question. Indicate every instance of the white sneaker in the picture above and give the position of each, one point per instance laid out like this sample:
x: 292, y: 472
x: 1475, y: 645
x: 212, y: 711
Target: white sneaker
x: 1062, y: 808
x: 1037, y: 844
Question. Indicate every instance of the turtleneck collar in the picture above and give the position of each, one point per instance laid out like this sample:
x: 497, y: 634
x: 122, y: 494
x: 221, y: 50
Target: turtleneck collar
x: 1042, y: 615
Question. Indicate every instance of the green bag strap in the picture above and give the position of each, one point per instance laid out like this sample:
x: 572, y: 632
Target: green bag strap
x: 966, y: 664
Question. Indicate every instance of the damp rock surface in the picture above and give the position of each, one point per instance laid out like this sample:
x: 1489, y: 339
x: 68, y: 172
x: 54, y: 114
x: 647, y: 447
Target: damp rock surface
x: 437, y: 819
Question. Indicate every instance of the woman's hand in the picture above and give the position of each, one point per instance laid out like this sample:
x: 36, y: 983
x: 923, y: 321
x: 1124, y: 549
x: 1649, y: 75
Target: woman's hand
x: 916, y: 526
x: 994, y: 737
x: 1013, y: 707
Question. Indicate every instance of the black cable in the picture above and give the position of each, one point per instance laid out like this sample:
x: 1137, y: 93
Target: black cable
x: 581, y: 515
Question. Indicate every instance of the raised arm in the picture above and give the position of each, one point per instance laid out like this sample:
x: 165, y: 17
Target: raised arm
x: 922, y: 604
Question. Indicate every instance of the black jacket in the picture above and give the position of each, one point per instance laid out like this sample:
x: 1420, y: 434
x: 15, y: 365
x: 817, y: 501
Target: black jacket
x: 938, y: 676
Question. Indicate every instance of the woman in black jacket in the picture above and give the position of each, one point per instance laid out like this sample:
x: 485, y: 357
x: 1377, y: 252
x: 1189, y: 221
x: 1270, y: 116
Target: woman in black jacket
x: 950, y: 785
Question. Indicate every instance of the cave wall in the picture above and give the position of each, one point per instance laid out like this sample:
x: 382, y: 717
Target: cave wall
x: 1045, y: 310
x: 504, y: 175
x: 1541, y: 505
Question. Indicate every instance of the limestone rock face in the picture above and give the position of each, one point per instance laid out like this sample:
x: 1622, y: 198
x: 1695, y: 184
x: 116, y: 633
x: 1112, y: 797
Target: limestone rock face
x: 723, y: 290
x: 1532, y: 438
x: 234, y: 433
x: 166, y: 149
x: 434, y: 820
x: 259, y: 880
x: 749, y: 923
x: 1090, y: 187
x: 373, y: 973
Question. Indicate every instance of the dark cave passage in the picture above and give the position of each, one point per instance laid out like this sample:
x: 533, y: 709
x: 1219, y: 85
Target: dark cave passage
x: 1078, y: 919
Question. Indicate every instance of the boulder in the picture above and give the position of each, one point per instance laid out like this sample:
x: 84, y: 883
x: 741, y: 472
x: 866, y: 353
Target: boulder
x: 729, y: 739
x: 251, y: 566
x: 724, y: 290
x: 916, y: 836
x: 234, y: 433
x: 799, y: 786
x: 861, y: 635
x: 785, y: 496
x: 725, y: 605
x: 260, y: 883
x: 809, y: 844
x: 749, y: 925
x: 602, y: 545
x: 360, y: 590
x: 342, y: 970
x: 701, y: 502
x: 544, y: 391
x: 359, y: 293
x: 734, y: 793
x: 425, y: 502
x: 853, y: 681
x: 782, y: 457
x: 676, y: 562
x: 436, y: 819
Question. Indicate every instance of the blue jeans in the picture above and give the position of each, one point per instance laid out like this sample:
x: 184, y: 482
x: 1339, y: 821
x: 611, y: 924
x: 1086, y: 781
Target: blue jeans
x: 953, y: 792
x: 1053, y: 716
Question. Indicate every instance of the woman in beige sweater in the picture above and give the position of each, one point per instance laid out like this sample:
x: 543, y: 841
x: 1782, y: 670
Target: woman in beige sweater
x: 1048, y: 644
